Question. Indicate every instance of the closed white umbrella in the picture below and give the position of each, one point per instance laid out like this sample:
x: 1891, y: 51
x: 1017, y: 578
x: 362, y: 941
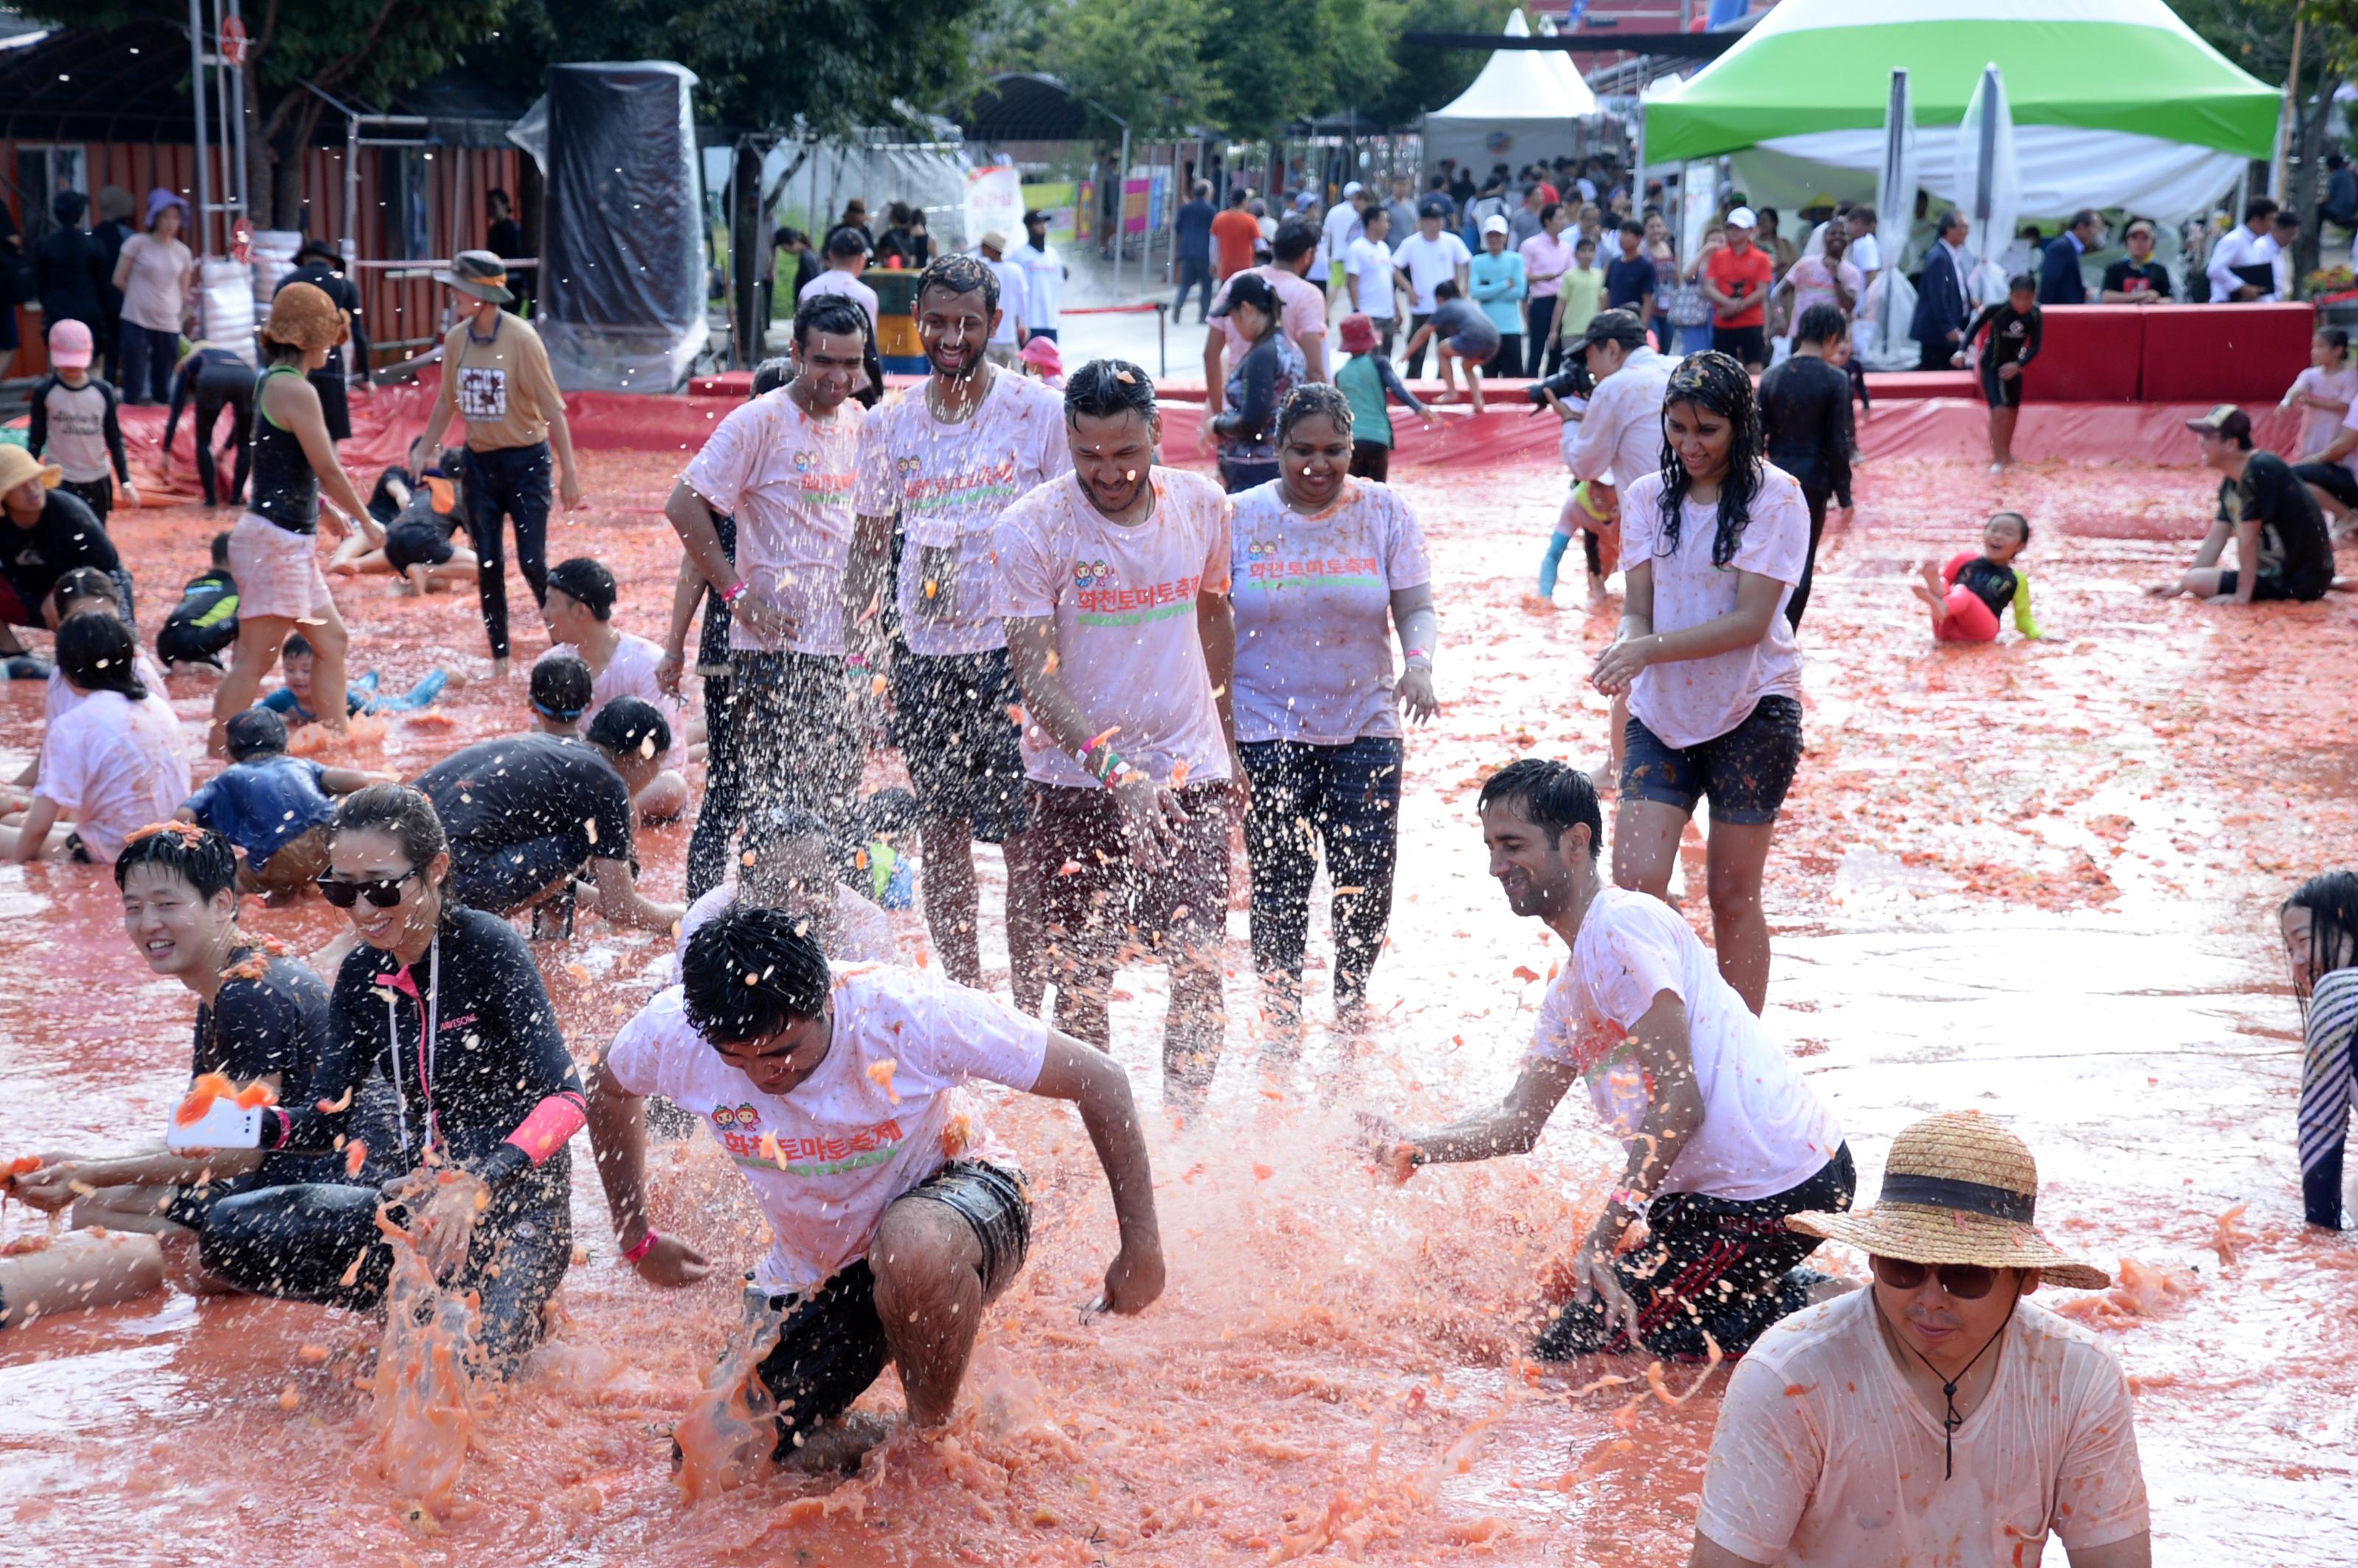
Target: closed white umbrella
x: 1989, y: 185
x: 1895, y: 199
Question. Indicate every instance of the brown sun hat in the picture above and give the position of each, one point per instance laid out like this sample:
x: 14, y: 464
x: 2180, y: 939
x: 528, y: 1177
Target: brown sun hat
x: 1957, y: 1188
x: 480, y: 275
x: 303, y: 316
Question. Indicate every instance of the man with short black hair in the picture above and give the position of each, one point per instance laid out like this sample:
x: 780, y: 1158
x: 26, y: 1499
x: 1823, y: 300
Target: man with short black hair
x: 1302, y: 314
x: 1724, y: 1137
x: 1191, y: 232
x: 2243, y: 263
x: 2061, y: 281
x: 1427, y: 259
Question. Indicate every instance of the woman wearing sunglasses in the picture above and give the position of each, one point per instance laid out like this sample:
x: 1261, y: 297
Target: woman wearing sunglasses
x: 444, y: 1004
x: 1937, y: 1416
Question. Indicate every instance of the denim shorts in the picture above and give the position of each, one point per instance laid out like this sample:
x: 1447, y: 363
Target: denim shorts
x: 1746, y: 771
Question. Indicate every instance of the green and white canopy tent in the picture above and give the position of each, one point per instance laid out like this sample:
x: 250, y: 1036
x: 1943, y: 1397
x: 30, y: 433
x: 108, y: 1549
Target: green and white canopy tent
x: 2117, y: 102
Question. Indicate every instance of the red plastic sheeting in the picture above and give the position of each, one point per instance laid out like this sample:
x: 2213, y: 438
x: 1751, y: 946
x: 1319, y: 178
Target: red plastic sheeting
x: 2070, y: 432
x: 2227, y: 354
x: 2089, y: 353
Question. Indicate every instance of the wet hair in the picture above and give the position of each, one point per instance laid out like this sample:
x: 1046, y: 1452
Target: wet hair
x: 256, y: 732
x: 2335, y: 338
x: 749, y: 973
x: 834, y: 313
x: 1718, y: 383
x: 1447, y: 288
x: 631, y: 724
x: 2022, y: 283
x: 1550, y: 795
x: 783, y: 824
x: 2331, y: 901
x: 98, y: 652
x: 402, y: 810
x: 1105, y: 389
x: 560, y: 686
x: 2019, y: 522
x: 198, y: 856
x: 588, y: 580
x: 1820, y: 324
x: 297, y: 647
x: 772, y: 373
x: 1314, y: 400
x: 86, y: 582
x: 220, y: 551
x: 959, y: 273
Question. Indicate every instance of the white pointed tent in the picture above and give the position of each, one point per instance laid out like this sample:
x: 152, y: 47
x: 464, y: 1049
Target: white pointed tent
x: 1518, y: 110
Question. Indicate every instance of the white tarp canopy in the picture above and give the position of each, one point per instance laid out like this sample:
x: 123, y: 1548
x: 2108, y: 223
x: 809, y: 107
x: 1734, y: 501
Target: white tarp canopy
x: 1518, y: 111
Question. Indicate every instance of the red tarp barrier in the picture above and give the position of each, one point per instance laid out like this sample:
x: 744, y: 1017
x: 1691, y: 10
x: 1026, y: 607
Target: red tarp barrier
x: 2089, y: 353
x: 2224, y: 353
x: 2070, y: 432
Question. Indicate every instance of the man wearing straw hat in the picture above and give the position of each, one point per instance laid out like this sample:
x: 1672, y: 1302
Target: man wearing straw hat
x: 1937, y: 1416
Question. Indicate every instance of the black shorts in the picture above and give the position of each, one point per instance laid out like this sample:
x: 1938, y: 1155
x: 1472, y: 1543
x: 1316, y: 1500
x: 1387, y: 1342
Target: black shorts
x: 1745, y: 345
x: 2334, y: 479
x: 94, y: 494
x: 965, y: 752
x: 1745, y: 772
x: 2271, y: 587
x: 416, y: 544
x: 2001, y: 391
x: 335, y: 404
x: 831, y: 1345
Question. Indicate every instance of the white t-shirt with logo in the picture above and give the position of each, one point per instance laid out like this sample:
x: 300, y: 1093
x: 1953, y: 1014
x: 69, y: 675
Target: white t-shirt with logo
x: 1825, y: 1458
x: 1696, y: 701
x: 883, y: 1111
x: 1313, y: 598
x: 118, y: 765
x: 1370, y: 262
x: 1764, y: 1130
x: 1429, y: 264
x: 950, y: 483
x: 1123, y: 599
x: 631, y: 672
x: 787, y: 479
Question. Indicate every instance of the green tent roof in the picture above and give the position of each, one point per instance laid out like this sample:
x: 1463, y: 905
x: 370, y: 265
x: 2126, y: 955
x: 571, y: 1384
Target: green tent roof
x: 1825, y: 65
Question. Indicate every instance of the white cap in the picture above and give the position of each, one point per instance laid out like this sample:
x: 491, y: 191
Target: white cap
x: 1742, y: 217
x: 1352, y: 187
x: 1494, y: 224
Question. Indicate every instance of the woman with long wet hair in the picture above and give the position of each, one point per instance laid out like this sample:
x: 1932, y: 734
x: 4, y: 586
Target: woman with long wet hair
x: 1712, y: 547
x: 2320, y: 931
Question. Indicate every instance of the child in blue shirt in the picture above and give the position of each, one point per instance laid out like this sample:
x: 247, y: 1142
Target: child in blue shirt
x: 273, y: 808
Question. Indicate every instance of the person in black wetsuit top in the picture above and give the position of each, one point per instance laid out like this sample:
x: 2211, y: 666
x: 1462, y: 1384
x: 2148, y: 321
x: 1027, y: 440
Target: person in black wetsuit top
x: 527, y: 814
x: 260, y: 1018
x: 2014, y: 331
x: 219, y: 382
x: 2282, y: 548
x: 444, y: 1004
x: 1805, y: 425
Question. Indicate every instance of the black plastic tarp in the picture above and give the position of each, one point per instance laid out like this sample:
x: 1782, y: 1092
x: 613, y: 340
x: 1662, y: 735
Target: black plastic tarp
x: 624, y: 262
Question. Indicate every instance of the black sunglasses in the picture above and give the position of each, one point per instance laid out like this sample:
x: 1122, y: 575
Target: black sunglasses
x: 382, y: 891
x: 1966, y: 1281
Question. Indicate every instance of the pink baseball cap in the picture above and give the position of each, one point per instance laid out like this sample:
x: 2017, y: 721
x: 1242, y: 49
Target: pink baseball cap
x: 70, y: 345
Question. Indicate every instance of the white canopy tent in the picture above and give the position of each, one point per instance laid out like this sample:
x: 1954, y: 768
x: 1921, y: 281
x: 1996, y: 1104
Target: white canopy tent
x: 1520, y: 110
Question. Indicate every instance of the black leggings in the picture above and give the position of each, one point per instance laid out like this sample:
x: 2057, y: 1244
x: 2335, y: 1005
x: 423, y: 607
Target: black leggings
x: 300, y: 1242
x: 223, y: 389
x: 511, y: 482
x: 723, y: 808
x: 1348, y: 798
x: 1721, y: 1268
x: 1801, y: 600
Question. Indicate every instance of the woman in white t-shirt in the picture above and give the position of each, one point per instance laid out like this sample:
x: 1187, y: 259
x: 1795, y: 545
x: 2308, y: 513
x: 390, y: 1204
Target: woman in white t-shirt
x: 1325, y: 567
x: 115, y: 762
x: 580, y: 610
x: 1712, y: 547
x: 154, y: 274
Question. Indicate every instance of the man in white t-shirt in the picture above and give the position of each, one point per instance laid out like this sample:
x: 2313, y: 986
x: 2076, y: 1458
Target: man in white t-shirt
x: 784, y: 466
x: 894, y: 1218
x: 1425, y: 260
x: 1937, y: 1416
x: 1114, y: 579
x: 1045, y: 273
x: 847, y: 258
x: 1008, y: 333
x: 1368, y: 275
x: 946, y: 460
x: 1725, y: 1137
x: 1345, y: 221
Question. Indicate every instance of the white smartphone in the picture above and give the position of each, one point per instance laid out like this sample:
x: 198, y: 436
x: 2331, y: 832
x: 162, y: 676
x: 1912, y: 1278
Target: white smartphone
x: 222, y: 1126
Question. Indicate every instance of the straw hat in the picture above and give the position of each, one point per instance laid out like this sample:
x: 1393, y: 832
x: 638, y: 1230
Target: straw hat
x: 302, y: 315
x: 17, y: 465
x: 1957, y: 1188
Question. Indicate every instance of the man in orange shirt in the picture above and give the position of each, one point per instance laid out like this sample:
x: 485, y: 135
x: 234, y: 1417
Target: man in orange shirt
x: 1737, y: 281
x: 1235, y: 233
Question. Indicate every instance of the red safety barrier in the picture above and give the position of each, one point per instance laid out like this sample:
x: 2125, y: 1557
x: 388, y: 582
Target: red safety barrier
x: 1115, y: 310
x: 2089, y: 353
x: 2223, y: 353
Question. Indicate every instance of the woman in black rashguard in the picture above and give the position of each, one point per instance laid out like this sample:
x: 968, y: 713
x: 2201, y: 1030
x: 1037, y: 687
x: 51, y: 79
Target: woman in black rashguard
x: 444, y: 1004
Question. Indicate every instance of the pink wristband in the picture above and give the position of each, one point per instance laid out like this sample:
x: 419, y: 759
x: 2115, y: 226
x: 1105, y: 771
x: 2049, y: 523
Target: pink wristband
x: 734, y: 591
x: 646, y: 1243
